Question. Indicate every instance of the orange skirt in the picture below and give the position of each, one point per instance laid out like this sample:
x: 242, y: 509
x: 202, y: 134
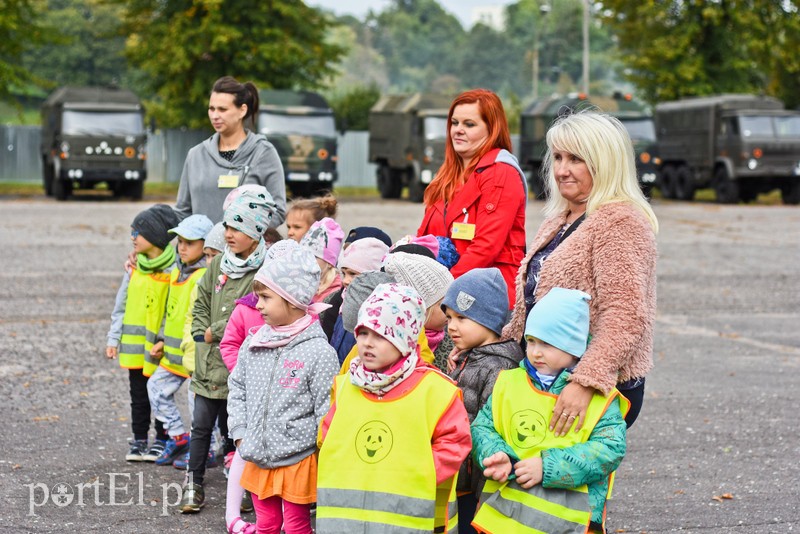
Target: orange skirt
x: 295, y: 483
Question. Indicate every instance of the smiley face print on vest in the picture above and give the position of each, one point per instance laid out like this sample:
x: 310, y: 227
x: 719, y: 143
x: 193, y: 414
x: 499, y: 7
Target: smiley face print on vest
x: 528, y: 428
x: 374, y: 441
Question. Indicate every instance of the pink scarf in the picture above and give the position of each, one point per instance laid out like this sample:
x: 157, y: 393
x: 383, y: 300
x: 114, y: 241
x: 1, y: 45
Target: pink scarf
x: 271, y: 337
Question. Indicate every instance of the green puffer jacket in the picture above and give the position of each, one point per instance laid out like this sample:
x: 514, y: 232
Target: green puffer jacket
x: 588, y: 463
x: 212, y: 308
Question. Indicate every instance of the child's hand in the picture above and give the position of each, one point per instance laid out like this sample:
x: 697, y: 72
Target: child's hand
x: 157, y: 351
x: 237, y: 443
x: 497, y: 466
x: 529, y: 472
x: 111, y: 352
x: 207, y: 336
x: 451, y: 359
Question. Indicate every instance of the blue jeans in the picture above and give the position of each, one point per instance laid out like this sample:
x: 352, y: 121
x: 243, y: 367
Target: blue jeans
x: 161, y: 388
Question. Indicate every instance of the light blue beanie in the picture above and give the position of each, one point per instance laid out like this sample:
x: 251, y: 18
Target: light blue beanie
x: 480, y: 295
x: 561, y: 319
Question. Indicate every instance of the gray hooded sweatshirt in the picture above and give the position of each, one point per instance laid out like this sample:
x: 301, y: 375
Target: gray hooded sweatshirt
x: 278, y: 397
x: 255, y: 162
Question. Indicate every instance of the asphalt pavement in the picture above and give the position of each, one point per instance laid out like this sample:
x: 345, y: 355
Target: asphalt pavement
x: 716, y: 448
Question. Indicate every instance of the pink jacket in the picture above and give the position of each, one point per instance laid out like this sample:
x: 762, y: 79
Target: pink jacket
x: 612, y: 257
x: 244, y: 317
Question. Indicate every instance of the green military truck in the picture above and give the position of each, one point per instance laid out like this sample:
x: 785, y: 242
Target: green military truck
x: 407, y: 135
x: 634, y: 115
x: 92, y: 135
x: 301, y: 126
x: 741, y: 145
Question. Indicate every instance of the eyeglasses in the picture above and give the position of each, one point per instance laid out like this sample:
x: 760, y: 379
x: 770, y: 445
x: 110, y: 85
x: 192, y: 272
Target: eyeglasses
x: 134, y: 234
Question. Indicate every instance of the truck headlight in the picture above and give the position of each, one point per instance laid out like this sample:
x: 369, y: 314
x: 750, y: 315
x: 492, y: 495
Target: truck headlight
x: 752, y: 164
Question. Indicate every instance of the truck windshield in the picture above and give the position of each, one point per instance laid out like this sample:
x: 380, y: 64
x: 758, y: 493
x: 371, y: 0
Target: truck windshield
x: 640, y: 129
x: 275, y: 123
x: 435, y: 128
x: 788, y: 127
x: 102, y: 123
x: 766, y: 126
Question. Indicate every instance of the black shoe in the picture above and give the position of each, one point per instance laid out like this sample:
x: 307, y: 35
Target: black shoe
x: 247, y: 503
x: 193, y: 499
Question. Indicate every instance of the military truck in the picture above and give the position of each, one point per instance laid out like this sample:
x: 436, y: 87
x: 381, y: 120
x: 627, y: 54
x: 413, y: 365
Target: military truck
x: 741, y: 145
x: 407, y: 135
x: 301, y: 126
x: 92, y: 135
x: 634, y: 115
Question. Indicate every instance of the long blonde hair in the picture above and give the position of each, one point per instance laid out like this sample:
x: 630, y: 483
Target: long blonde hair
x: 603, y: 143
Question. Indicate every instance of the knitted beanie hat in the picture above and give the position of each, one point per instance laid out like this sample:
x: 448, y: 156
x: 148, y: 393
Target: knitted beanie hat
x: 428, y: 241
x: 250, y: 212
x: 395, y: 312
x: 292, y: 272
x: 429, y: 277
x: 360, y: 232
x: 448, y: 255
x: 216, y: 238
x: 413, y: 248
x: 480, y: 295
x: 253, y: 188
x: 363, y: 255
x: 324, y: 239
x: 154, y: 224
x: 357, y: 292
x: 193, y: 227
x: 561, y: 319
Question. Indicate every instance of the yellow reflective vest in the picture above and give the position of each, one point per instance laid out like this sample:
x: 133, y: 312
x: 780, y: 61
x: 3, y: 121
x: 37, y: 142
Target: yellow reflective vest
x: 180, y: 297
x: 144, y: 309
x: 521, y: 414
x: 376, y: 470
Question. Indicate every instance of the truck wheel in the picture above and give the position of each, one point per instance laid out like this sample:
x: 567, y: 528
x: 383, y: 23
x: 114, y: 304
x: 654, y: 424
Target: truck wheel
x: 135, y: 190
x: 790, y: 193
x: 727, y: 190
x: 535, y: 183
x: 748, y: 191
x: 667, y: 181
x: 416, y: 190
x: 47, y: 175
x: 388, y: 186
x: 684, y: 185
x: 62, y: 189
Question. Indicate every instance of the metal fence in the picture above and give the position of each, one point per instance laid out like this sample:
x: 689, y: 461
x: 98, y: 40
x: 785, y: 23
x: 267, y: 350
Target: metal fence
x: 166, y: 152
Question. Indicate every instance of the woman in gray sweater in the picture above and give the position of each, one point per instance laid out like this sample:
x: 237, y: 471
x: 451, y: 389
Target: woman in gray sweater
x: 233, y: 156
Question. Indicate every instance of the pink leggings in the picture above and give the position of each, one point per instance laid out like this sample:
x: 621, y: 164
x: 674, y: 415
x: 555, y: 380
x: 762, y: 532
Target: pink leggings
x: 273, y: 512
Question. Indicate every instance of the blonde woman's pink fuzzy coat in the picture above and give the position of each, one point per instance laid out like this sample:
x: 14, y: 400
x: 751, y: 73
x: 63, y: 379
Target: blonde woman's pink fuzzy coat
x: 612, y: 257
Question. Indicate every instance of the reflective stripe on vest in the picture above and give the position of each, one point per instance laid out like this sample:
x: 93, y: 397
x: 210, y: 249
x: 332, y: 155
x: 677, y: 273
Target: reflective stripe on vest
x: 375, y: 445
x: 521, y: 414
x: 178, y: 302
x: 144, y: 309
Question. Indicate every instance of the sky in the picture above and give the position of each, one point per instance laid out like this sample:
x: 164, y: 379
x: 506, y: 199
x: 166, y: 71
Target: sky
x: 462, y: 9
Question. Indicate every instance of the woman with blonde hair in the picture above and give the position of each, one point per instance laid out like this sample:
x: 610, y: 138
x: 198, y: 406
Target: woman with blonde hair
x: 478, y: 196
x: 598, y: 237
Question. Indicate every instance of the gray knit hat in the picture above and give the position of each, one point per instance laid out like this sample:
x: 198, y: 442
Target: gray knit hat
x: 154, y: 224
x: 357, y: 292
x: 216, y: 238
x: 480, y: 295
x: 429, y: 277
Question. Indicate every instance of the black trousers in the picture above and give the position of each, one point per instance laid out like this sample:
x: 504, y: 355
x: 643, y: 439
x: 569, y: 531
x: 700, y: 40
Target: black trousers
x: 206, y: 413
x: 467, y: 506
x: 633, y: 390
x: 140, y: 407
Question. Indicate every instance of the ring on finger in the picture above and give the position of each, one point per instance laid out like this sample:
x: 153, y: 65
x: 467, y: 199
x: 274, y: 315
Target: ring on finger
x: 572, y: 417
x: 563, y: 414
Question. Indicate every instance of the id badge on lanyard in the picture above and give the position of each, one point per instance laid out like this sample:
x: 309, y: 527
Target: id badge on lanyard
x: 463, y: 230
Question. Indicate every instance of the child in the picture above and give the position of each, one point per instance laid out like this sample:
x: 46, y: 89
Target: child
x: 215, y: 242
x: 306, y: 211
x: 476, y: 306
x: 396, y: 431
x: 324, y: 240
x: 137, y: 316
x: 228, y: 278
x: 562, y: 481
x: 360, y: 232
x: 279, y: 392
x: 165, y: 366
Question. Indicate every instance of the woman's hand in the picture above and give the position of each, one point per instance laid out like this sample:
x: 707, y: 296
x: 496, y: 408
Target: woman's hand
x: 529, y: 472
x: 570, y: 407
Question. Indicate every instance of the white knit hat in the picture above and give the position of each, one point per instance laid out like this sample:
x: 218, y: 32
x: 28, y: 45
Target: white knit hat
x: 363, y: 255
x: 429, y: 277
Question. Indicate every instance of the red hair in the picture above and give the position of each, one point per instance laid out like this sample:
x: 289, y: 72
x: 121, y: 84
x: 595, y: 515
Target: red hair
x: 452, y: 174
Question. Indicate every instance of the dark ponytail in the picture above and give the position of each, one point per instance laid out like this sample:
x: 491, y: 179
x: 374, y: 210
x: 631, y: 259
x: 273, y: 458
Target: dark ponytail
x: 243, y: 93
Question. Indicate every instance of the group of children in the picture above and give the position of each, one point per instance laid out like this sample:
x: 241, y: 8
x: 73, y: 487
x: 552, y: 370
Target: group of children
x: 354, y: 372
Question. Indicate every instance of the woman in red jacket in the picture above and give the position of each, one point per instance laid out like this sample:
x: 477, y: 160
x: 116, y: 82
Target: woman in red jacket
x: 478, y: 196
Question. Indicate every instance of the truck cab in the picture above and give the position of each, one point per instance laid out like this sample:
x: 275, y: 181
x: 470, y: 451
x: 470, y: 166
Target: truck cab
x: 301, y: 126
x: 92, y: 135
x: 634, y: 115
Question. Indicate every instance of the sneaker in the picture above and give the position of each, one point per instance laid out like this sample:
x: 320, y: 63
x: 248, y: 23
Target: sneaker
x: 173, y: 451
x: 156, y: 450
x: 247, y: 503
x: 193, y: 499
x: 137, y: 451
x: 182, y: 463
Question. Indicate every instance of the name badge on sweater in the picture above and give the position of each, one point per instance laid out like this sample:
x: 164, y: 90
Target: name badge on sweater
x: 228, y: 181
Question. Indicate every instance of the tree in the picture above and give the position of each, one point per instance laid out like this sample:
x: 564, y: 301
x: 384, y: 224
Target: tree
x: 20, y: 30
x: 183, y: 46
x: 351, y: 108
x: 676, y: 48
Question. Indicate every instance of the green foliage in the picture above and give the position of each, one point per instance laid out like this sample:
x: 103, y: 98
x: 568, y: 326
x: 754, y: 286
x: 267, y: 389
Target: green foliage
x: 351, y: 108
x: 183, y: 46
x: 675, y: 49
